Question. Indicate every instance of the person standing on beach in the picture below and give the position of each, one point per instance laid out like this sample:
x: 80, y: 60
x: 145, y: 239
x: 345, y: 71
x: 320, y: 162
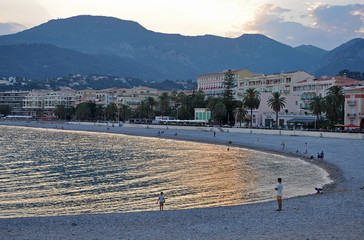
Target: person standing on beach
x: 306, y: 151
x: 161, y: 201
x: 283, y: 145
x: 279, y: 189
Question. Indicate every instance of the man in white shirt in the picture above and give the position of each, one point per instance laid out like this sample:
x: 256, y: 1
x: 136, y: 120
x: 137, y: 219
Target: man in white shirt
x: 279, y: 189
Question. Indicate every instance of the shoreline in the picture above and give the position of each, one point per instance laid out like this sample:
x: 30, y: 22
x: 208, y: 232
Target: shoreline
x: 335, y: 173
x: 301, y: 224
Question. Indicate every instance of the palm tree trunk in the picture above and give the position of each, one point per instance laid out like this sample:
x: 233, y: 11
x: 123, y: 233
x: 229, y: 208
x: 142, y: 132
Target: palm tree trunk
x: 276, y: 120
x: 251, y: 118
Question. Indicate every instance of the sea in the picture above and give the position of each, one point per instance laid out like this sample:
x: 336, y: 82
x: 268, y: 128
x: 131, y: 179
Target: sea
x: 52, y: 172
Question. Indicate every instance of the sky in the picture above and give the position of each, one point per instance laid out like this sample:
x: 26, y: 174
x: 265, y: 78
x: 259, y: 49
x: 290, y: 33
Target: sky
x: 325, y: 24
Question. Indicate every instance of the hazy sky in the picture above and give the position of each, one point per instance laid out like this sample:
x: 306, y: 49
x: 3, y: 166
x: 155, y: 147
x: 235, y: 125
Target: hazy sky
x: 325, y: 24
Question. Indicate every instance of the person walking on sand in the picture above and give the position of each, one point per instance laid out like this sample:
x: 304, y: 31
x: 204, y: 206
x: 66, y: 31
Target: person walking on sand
x: 306, y: 151
x: 279, y: 189
x: 161, y: 200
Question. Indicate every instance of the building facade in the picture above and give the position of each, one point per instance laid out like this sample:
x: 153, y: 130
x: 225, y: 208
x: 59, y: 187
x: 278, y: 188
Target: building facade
x: 42, y: 103
x: 354, y: 107
x: 213, y: 84
x: 15, y: 100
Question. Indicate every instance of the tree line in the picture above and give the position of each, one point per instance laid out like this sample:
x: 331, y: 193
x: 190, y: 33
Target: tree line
x: 225, y: 109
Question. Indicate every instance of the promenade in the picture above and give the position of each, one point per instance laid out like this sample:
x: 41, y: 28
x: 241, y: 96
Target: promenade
x: 338, y: 213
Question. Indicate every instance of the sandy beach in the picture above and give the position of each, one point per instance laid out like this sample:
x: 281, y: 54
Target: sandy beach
x: 338, y: 213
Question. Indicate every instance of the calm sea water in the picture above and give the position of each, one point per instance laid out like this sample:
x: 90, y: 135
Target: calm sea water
x: 56, y: 172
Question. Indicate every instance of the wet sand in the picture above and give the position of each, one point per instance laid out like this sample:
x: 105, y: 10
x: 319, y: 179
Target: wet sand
x: 338, y: 213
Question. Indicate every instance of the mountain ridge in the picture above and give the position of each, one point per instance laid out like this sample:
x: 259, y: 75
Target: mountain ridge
x: 175, y: 56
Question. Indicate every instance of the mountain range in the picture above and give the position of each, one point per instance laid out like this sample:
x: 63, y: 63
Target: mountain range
x: 106, y: 45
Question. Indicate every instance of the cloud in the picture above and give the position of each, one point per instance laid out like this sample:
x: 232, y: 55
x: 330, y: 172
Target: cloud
x: 9, y: 28
x: 332, y: 25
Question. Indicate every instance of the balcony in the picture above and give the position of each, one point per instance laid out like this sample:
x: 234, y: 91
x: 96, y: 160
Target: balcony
x: 351, y: 115
x: 351, y: 102
x: 361, y: 115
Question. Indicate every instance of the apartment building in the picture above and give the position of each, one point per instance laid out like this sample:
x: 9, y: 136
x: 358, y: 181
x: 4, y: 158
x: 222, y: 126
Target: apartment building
x: 15, y: 100
x: 119, y: 96
x: 135, y: 95
x: 309, y: 88
x: 297, y: 87
x: 266, y: 85
x: 354, y: 106
x: 213, y: 84
x: 42, y: 103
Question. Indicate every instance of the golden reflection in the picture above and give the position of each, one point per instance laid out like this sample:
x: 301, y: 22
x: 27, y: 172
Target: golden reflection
x: 51, y: 172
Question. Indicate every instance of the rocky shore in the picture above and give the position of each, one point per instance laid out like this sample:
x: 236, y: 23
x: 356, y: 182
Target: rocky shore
x: 338, y: 213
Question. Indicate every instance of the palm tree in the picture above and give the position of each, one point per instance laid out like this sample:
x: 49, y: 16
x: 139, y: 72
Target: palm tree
x: 125, y: 112
x: 276, y: 102
x: 151, y: 102
x: 164, y: 103
x: 240, y: 112
x: 336, y: 98
x: 220, y: 111
x: 317, y: 106
x: 251, y: 100
x: 111, y: 111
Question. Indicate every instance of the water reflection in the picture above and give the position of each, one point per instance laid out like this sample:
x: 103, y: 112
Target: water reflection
x: 56, y: 172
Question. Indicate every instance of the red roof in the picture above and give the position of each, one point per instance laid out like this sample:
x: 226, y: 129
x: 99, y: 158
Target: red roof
x: 339, y: 80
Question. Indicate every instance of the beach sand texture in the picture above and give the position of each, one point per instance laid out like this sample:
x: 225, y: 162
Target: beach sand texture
x: 338, y: 213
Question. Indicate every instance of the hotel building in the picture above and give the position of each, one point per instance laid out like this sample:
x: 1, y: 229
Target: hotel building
x: 213, y: 84
x: 354, y: 106
x: 297, y: 87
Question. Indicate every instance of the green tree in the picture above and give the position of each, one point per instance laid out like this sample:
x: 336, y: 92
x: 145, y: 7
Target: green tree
x: 214, y: 104
x: 228, y: 98
x: 83, y: 111
x: 240, y: 112
x: 317, y: 106
x: 70, y: 112
x: 220, y: 111
x: 99, y: 112
x: 125, y: 112
x: 143, y: 109
x: 5, y: 110
x: 111, y: 110
x: 164, y: 104
x: 251, y: 101
x: 151, y: 102
x: 335, y: 100
x: 60, y: 111
x: 276, y: 102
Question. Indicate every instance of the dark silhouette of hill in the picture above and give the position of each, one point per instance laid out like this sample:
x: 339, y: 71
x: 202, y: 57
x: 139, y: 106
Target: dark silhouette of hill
x: 174, y: 56
x: 40, y: 61
x: 347, y: 56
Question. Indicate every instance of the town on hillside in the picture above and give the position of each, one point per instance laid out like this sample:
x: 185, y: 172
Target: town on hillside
x: 237, y: 98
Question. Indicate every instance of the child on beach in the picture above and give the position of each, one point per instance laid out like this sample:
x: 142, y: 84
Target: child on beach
x: 279, y: 189
x: 161, y: 201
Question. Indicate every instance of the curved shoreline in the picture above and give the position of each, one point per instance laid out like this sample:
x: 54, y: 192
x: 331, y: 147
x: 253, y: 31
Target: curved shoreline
x: 335, y: 173
x: 338, y: 213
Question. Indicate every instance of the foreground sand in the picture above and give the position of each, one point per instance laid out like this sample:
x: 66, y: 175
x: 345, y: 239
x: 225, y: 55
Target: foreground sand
x: 336, y: 214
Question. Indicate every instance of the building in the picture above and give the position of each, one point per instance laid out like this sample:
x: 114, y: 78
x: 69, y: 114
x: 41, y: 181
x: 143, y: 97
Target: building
x: 213, y: 84
x: 42, y: 103
x: 267, y: 84
x: 132, y: 97
x: 202, y: 114
x: 354, y: 106
x: 15, y: 100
